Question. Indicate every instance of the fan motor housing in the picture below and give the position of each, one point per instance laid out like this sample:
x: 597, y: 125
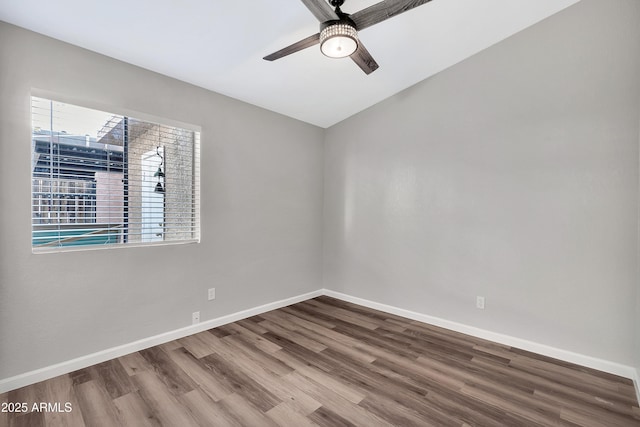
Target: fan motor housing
x: 344, y: 20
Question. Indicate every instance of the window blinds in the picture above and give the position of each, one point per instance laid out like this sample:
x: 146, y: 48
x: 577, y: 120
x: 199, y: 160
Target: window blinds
x: 107, y: 179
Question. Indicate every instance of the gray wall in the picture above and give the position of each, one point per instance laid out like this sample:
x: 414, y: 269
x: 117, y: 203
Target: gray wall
x: 512, y: 175
x: 261, y: 214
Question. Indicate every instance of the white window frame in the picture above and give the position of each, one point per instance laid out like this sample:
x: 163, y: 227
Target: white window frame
x: 139, y: 116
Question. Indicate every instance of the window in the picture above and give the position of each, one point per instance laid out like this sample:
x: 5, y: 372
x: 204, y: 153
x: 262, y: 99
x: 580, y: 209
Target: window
x: 102, y: 179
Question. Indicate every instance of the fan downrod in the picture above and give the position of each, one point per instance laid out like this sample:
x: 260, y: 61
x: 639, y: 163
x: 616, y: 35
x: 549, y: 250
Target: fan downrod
x: 336, y: 3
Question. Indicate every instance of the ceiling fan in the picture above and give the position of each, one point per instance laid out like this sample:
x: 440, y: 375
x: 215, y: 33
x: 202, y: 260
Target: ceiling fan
x: 338, y: 36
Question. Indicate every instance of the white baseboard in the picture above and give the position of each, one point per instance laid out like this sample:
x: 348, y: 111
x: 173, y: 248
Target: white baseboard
x: 565, y: 355
x: 636, y: 382
x: 45, y: 373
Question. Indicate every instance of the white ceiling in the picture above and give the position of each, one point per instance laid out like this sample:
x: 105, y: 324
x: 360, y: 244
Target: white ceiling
x: 219, y: 45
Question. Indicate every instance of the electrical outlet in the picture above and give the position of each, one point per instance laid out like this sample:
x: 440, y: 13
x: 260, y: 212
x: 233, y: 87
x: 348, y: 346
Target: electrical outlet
x: 212, y: 293
x: 480, y: 303
x: 195, y: 317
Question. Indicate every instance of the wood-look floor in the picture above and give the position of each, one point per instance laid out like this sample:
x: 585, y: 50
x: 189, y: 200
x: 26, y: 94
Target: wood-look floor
x: 330, y: 363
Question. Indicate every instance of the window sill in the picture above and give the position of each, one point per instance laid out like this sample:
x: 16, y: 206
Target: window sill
x: 49, y: 250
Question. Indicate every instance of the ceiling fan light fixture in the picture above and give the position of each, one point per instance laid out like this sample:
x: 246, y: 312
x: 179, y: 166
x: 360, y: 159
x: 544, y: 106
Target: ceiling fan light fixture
x: 338, y: 39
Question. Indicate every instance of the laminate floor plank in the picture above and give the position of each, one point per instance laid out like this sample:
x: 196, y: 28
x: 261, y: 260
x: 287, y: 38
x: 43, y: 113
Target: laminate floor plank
x: 134, y: 363
x: 22, y: 401
x: 218, y: 333
x: 244, y: 412
x: 134, y: 412
x: 252, y: 326
x: 577, y: 418
x: 544, y: 390
x: 206, y: 412
x: 359, y: 309
x: 381, y: 386
x: 95, y: 404
x: 264, y: 359
x: 346, y: 409
x: 241, y: 382
x: 335, y: 315
x: 592, y: 372
x: 571, y: 380
x: 295, y: 355
x: 377, y: 318
x: 341, y: 388
x: 615, y: 415
x: 112, y: 377
x: 326, y: 418
x: 307, y: 327
x: 353, y: 350
x: 167, y: 371
x: 408, y: 394
x: 569, y: 374
x: 268, y: 379
x: 34, y: 393
x: 443, y: 395
x: 80, y: 376
x: 391, y: 411
x: 525, y: 399
x: 471, y: 411
x: 302, y: 312
x: 197, y: 345
x: 560, y: 393
x: 4, y: 415
x: 171, y: 345
x: 533, y: 417
x: 342, y: 314
x: 200, y: 374
x: 326, y: 362
x: 390, y: 369
x: 285, y: 415
x: 374, y: 340
x: 293, y: 336
x: 60, y: 390
x: 162, y: 401
x: 296, y: 363
x: 419, y: 329
x: 31, y: 419
x: 280, y: 319
x: 252, y: 338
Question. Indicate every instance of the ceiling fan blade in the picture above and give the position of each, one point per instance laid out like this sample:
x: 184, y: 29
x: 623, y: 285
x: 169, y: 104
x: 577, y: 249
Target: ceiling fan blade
x: 363, y: 58
x: 384, y: 10
x: 302, y: 44
x: 320, y: 9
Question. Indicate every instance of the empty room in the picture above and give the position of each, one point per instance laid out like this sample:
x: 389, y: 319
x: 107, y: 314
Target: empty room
x: 320, y: 213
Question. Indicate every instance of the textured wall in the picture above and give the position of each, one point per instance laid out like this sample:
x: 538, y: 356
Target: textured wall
x: 512, y: 175
x: 261, y: 213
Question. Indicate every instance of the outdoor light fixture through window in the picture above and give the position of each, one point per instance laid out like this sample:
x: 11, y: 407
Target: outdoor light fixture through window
x: 159, y: 174
x: 338, y: 39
